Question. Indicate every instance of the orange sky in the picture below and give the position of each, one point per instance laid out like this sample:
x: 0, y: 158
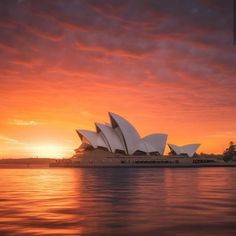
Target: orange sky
x: 166, y: 68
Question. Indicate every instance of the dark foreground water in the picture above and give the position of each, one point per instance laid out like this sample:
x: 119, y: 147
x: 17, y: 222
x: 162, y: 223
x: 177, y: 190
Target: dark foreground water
x: 118, y: 201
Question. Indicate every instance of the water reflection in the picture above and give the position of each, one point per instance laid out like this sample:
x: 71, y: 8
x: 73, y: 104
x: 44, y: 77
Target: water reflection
x: 118, y: 201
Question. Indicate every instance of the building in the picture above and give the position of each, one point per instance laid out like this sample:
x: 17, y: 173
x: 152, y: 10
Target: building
x: 185, y: 150
x: 120, y: 136
x: 118, y: 144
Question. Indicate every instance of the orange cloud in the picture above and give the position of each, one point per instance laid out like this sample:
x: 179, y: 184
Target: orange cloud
x: 24, y: 122
x: 63, y: 66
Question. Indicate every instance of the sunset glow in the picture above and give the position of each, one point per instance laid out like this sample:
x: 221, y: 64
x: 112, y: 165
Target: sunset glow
x: 48, y: 150
x: 65, y: 65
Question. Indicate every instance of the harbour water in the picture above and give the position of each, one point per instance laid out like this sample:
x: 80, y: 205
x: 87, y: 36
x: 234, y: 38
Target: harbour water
x: 109, y: 201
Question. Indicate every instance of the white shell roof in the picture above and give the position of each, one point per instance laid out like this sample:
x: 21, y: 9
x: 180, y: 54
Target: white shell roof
x: 111, y: 136
x: 158, y: 141
x: 130, y: 135
x: 189, y: 149
x: 144, y: 146
x: 93, y: 138
x: 121, y: 135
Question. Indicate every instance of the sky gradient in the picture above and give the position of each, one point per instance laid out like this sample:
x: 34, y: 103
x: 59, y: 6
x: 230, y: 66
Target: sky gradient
x: 167, y: 66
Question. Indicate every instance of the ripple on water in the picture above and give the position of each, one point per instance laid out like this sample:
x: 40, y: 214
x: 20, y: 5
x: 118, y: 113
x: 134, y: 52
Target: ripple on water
x: 118, y: 201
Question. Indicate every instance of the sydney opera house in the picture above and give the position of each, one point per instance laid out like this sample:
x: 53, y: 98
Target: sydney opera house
x: 118, y: 144
x: 121, y: 138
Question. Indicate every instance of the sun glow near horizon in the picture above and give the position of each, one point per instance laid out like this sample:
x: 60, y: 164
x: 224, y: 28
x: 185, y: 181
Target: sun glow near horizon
x: 49, y: 150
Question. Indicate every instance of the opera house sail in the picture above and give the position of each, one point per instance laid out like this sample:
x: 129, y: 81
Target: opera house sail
x: 188, y: 149
x: 120, y: 136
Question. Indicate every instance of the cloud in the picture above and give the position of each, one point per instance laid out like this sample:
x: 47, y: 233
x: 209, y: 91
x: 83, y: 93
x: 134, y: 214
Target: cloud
x: 132, y: 48
x: 229, y: 134
x: 24, y: 122
x: 173, y: 61
x: 8, y: 140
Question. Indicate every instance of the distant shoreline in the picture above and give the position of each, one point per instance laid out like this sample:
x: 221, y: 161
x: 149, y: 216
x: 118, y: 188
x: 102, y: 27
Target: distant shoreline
x: 172, y: 165
x: 25, y: 162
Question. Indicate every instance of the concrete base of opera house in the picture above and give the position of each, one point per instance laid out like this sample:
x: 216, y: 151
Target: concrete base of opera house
x: 100, y: 158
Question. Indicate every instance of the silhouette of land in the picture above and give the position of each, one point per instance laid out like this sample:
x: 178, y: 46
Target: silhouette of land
x: 25, y: 162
